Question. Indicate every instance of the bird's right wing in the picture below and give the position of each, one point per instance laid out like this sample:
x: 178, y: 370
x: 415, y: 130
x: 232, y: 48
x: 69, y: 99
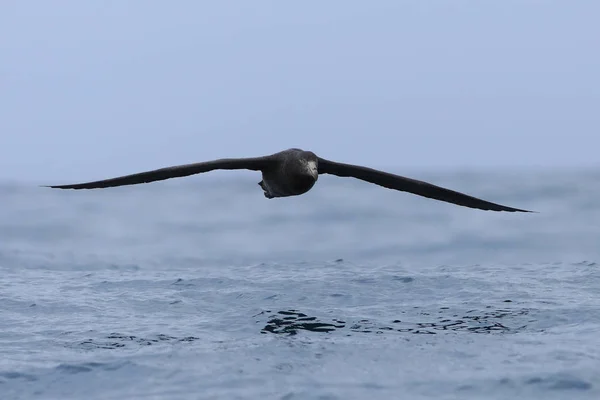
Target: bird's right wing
x: 404, y: 184
x: 254, y: 164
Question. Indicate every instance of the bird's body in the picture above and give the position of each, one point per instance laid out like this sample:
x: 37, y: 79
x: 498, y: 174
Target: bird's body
x: 294, y: 172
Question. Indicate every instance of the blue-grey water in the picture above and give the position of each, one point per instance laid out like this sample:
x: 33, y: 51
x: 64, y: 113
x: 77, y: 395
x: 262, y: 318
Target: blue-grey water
x: 201, y: 288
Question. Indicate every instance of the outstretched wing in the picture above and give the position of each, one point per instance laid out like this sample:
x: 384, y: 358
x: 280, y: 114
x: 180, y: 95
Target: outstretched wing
x: 404, y: 184
x: 254, y: 164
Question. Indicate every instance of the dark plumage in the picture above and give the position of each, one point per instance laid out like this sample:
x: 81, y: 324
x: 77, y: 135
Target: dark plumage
x: 293, y: 172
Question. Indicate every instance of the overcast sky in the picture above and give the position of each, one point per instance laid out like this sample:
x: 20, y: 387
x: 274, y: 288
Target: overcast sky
x: 91, y: 89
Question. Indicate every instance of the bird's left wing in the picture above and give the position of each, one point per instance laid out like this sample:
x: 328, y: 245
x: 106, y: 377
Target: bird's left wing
x: 404, y: 184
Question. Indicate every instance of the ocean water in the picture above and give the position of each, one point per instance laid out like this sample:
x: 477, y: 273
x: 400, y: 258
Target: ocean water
x: 201, y: 288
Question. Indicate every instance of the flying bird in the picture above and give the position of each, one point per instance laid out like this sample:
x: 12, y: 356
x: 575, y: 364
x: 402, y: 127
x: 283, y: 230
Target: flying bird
x: 294, y: 172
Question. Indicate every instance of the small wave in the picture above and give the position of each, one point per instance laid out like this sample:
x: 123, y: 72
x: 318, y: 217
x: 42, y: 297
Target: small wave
x: 118, y: 340
x: 559, y: 382
x: 90, y: 366
x: 8, y: 375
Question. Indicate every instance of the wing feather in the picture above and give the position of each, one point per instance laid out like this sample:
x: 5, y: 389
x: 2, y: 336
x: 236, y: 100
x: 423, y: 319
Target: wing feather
x: 177, y: 171
x: 409, y: 185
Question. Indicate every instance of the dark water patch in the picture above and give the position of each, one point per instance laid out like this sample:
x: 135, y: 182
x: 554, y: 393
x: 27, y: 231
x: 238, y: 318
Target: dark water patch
x: 291, y: 321
x: 489, y: 320
x: 117, y: 340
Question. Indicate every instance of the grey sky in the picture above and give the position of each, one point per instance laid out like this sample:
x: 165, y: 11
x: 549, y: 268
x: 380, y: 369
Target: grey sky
x: 91, y: 89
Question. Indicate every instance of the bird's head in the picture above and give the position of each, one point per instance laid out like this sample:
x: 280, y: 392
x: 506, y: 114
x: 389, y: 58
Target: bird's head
x: 311, y: 164
x: 307, y: 174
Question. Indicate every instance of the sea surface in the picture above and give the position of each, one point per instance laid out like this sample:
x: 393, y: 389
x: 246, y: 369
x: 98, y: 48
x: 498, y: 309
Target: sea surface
x: 201, y: 288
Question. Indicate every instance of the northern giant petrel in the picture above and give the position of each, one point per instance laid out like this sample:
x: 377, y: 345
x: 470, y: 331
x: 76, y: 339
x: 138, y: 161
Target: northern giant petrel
x: 293, y: 172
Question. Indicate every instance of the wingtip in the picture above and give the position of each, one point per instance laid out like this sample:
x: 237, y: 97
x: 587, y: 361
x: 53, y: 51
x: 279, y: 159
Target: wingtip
x: 53, y: 186
x: 525, y: 211
x: 512, y: 210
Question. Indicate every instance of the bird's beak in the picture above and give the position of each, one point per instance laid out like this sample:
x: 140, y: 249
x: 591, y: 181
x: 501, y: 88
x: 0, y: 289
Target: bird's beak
x: 312, y: 167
